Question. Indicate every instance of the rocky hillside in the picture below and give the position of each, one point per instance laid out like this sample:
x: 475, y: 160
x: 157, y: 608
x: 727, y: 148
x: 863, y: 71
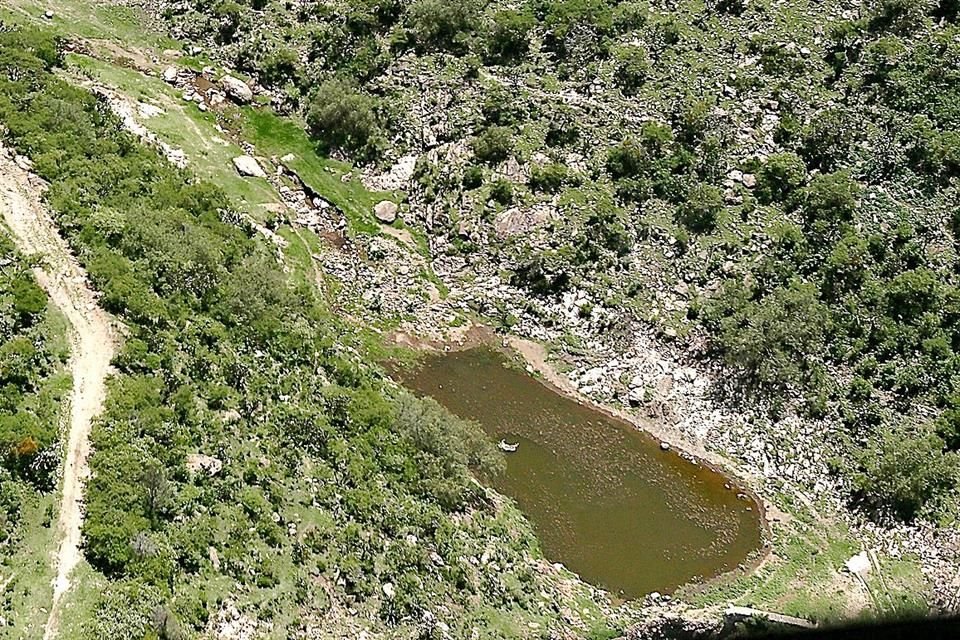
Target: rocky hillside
x: 733, y: 220
x: 761, y: 190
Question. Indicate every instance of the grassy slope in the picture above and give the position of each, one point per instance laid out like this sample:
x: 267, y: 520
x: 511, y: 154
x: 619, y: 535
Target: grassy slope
x: 803, y: 577
x: 276, y: 136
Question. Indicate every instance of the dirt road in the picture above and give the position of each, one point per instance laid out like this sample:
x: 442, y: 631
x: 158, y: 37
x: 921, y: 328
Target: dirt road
x: 93, y: 340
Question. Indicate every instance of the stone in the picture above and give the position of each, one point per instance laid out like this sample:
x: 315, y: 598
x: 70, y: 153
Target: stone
x: 749, y: 180
x: 197, y: 462
x: 665, y: 446
x: 48, y: 14
x: 248, y: 166
x: 214, y: 558
x: 237, y: 89
x: 859, y: 564
x: 170, y: 75
x: 389, y: 590
x: 386, y: 211
x: 23, y: 162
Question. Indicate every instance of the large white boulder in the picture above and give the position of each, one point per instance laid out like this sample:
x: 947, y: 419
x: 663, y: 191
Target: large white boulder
x: 237, y: 89
x: 386, y: 211
x: 248, y: 166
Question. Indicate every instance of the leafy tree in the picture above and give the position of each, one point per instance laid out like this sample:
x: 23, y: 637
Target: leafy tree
x: 774, y: 341
x: 437, y: 24
x: 912, y: 293
x: 829, y: 139
x: 502, y: 191
x: 280, y: 66
x: 509, y: 37
x: 781, y: 176
x: 157, y: 489
x: 831, y: 197
x: 700, y: 210
x: 228, y: 14
x: 903, y: 471
x: 341, y: 118
x: 549, y: 177
x: 29, y: 300
x: 472, y: 177
x: 633, y: 68
x: 494, y: 144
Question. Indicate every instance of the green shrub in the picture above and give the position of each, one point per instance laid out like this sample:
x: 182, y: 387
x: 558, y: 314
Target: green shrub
x: 700, y: 210
x: 632, y: 68
x: 902, y: 472
x: 549, y: 177
x: 781, y: 176
x: 472, y: 177
x: 509, y: 37
x: 341, y: 118
x: 494, y: 144
x: 501, y: 191
x: 437, y: 24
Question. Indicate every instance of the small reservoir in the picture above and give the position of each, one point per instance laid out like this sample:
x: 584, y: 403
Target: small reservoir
x: 603, y: 497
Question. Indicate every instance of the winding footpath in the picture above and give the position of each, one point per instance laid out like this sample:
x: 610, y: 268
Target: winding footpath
x: 93, y: 340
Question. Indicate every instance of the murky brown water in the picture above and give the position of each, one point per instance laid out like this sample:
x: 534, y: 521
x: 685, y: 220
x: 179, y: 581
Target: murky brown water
x: 603, y: 498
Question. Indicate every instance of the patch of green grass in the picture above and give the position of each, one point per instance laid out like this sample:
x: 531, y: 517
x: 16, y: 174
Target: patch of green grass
x: 90, y: 19
x: 182, y: 125
x: 806, y: 577
x: 79, y: 604
x: 30, y: 568
x: 273, y: 135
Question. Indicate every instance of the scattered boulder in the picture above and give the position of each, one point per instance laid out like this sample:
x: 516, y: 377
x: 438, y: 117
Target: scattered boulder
x: 197, y: 462
x: 170, y: 75
x: 248, y: 166
x: 214, y: 558
x: 237, y: 89
x: 516, y: 221
x: 386, y: 211
x: 389, y: 590
x: 859, y: 564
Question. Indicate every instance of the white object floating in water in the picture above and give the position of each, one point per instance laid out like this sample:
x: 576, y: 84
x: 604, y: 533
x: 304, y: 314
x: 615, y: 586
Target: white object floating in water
x: 506, y: 446
x: 665, y: 446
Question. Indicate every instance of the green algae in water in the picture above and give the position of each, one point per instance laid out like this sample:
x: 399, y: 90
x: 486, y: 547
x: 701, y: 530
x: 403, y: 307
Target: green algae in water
x: 603, y: 498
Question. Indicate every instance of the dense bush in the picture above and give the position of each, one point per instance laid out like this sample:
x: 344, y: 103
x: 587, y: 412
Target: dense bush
x: 342, y: 119
x: 902, y: 472
x: 549, y: 177
x: 509, y: 38
x: 633, y: 67
x: 28, y: 407
x: 443, y: 25
x: 493, y: 144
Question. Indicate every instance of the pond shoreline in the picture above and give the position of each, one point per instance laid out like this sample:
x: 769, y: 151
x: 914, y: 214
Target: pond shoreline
x: 535, y: 357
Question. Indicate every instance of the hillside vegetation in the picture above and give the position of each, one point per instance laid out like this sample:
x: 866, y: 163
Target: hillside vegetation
x: 247, y: 458
x: 737, y: 218
x: 791, y: 167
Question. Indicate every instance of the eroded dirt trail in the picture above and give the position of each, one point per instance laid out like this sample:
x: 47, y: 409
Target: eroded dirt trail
x: 93, y: 339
